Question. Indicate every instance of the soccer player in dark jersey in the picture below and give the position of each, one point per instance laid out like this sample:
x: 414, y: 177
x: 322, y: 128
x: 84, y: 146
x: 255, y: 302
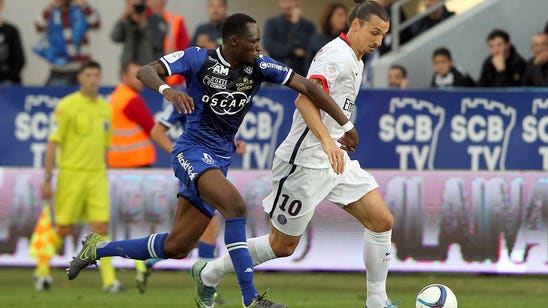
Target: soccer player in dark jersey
x: 221, y: 83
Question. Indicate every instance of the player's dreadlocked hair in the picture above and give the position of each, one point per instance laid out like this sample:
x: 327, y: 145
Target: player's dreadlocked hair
x: 365, y: 9
x: 235, y: 25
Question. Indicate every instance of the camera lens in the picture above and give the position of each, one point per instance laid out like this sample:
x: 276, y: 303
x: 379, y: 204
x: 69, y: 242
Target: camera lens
x: 139, y: 8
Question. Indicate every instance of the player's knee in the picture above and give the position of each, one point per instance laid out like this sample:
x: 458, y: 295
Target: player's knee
x: 175, y: 250
x: 284, y: 249
x: 238, y: 209
x: 383, y: 222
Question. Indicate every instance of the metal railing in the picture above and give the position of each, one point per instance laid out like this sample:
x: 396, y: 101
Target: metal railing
x: 397, y: 26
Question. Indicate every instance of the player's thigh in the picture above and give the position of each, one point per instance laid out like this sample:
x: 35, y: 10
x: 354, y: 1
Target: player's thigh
x: 358, y: 194
x: 69, y: 197
x: 296, y: 191
x: 215, y: 189
x: 188, y: 226
x: 97, y: 206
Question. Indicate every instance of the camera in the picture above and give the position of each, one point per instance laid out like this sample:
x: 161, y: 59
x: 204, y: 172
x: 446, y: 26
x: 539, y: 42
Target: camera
x: 139, y: 8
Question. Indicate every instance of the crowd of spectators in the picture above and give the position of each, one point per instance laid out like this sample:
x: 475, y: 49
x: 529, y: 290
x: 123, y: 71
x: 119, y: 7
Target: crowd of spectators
x: 146, y: 31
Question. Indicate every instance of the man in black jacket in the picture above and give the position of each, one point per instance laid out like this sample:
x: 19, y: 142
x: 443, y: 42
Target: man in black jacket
x: 286, y: 36
x: 504, y: 67
x: 12, y: 58
x: 536, y: 72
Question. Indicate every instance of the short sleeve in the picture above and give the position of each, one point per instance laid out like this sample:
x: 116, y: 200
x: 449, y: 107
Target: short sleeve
x: 170, y: 117
x: 326, y: 68
x: 181, y: 61
x: 274, y: 71
x: 59, y: 124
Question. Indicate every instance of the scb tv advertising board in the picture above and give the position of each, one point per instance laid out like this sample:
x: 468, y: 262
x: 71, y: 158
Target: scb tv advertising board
x: 462, y: 171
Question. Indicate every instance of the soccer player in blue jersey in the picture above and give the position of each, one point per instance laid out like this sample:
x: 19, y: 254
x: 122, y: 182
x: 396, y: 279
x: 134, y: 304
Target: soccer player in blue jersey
x: 221, y: 83
x: 171, y: 119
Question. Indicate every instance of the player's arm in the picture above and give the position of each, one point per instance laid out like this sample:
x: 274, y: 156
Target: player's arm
x: 151, y: 76
x: 49, y: 162
x: 323, y: 101
x: 312, y: 118
x: 158, y: 134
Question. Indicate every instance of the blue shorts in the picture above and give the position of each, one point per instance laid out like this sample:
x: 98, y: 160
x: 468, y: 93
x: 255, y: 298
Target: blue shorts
x: 189, y: 162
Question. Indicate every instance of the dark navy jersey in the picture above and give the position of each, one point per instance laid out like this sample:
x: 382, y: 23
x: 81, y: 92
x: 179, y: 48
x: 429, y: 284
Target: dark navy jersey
x: 222, y: 95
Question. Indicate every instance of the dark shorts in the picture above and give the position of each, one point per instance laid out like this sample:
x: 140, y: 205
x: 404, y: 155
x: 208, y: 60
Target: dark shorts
x: 189, y: 162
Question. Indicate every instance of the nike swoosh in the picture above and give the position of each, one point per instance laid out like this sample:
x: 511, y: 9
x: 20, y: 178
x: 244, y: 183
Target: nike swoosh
x: 388, y: 253
x: 84, y: 254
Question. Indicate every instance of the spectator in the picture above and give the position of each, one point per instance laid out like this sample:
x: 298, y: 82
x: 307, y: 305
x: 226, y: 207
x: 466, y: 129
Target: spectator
x: 536, y: 71
x: 446, y: 73
x: 333, y: 21
x: 80, y: 132
x: 131, y: 146
x: 176, y: 36
x: 432, y: 19
x: 397, y: 77
x: 504, y: 67
x: 286, y: 36
x: 12, y: 58
x: 65, y: 45
x: 405, y: 34
x: 208, y: 35
x: 142, y: 34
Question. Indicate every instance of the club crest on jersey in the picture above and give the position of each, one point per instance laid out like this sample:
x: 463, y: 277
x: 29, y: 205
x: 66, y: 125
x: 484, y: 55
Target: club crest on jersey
x: 248, y: 69
x: 226, y: 103
x: 207, y: 159
x: 219, y: 69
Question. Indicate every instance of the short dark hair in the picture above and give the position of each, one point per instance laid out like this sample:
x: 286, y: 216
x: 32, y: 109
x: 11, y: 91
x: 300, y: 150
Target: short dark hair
x: 365, y: 9
x: 399, y: 67
x: 499, y: 33
x: 442, y: 51
x: 327, y: 13
x: 89, y: 64
x: 236, y: 25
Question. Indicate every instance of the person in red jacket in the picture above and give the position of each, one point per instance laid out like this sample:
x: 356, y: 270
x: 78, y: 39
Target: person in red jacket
x: 132, y: 121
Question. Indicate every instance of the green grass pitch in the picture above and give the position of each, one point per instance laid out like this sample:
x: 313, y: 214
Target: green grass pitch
x: 296, y: 289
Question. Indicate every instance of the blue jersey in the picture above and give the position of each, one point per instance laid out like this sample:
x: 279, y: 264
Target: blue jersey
x: 222, y: 95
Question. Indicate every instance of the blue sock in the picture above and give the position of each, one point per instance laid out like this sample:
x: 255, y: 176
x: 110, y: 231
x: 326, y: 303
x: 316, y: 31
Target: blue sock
x: 149, y: 263
x: 144, y: 248
x: 241, y: 259
x: 206, y: 251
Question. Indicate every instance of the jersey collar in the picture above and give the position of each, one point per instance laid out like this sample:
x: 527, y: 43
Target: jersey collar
x: 343, y: 37
x: 223, y: 61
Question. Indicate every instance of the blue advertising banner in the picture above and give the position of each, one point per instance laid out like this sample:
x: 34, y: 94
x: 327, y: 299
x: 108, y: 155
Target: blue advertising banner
x: 418, y: 130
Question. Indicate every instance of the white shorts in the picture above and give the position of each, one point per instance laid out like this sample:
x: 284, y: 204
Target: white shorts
x: 296, y: 191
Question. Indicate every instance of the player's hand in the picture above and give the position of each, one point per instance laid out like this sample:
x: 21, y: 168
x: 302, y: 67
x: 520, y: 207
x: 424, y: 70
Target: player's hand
x: 46, y: 191
x: 350, y: 140
x: 335, y: 155
x: 180, y: 100
x: 241, y: 146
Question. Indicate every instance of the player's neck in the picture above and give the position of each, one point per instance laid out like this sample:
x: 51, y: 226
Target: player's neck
x: 229, y: 57
x: 350, y: 39
x: 89, y: 94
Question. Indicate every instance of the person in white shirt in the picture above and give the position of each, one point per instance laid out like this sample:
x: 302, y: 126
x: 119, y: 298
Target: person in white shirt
x: 305, y: 171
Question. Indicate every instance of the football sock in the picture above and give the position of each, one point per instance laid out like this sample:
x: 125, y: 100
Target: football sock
x: 138, y: 249
x: 206, y: 251
x: 149, y: 263
x: 376, y: 256
x: 239, y: 254
x: 259, y: 249
x: 106, y: 269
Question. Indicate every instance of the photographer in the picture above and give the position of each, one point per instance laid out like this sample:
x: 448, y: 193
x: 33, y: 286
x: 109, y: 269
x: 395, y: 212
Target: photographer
x: 141, y: 32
